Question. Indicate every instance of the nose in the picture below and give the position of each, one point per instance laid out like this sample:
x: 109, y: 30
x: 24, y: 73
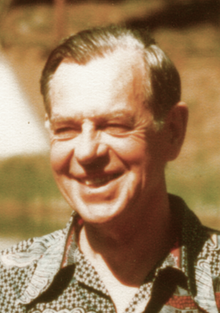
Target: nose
x: 89, y: 147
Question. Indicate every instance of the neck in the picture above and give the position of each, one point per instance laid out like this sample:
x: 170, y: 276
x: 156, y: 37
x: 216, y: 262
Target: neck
x: 130, y: 245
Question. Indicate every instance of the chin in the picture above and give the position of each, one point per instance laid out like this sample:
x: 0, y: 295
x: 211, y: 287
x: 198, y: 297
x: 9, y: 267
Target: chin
x: 97, y: 213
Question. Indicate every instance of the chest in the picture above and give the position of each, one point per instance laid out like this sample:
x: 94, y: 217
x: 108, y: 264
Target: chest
x: 79, y: 298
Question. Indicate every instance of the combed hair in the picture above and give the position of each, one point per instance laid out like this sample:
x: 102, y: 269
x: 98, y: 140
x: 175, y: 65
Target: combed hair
x: 162, y: 82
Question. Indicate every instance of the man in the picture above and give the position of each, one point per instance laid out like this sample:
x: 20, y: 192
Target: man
x: 115, y: 119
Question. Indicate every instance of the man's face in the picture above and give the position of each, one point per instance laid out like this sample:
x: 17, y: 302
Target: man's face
x: 105, y: 153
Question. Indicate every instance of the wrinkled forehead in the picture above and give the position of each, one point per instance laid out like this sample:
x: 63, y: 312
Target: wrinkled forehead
x: 110, y: 84
x: 119, y: 68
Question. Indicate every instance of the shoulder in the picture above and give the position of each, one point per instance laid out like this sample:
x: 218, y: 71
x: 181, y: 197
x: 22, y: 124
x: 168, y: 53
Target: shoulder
x: 202, y: 243
x: 30, y: 249
x: 207, y: 250
x: 18, y: 263
x: 213, y: 239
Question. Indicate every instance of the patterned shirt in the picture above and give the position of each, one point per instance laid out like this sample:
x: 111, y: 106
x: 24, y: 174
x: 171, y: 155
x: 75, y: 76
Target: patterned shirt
x: 51, y: 275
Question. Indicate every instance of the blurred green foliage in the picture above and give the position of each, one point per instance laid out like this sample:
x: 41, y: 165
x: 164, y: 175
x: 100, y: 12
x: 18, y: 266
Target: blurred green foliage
x: 24, y: 226
x: 25, y: 178
x: 30, y: 201
x: 200, y: 188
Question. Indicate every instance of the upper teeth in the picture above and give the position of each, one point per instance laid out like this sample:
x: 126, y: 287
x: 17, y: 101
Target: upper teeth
x: 96, y: 181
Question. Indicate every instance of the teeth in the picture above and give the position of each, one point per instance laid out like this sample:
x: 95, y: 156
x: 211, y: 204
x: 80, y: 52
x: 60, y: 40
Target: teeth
x: 98, y: 181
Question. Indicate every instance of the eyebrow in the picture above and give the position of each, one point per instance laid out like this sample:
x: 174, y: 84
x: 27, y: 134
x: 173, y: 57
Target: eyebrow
x: 57, y: 119
x: 128, y: 116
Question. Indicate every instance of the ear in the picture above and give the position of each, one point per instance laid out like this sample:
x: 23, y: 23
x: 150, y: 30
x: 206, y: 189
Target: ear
x: 175, y: 124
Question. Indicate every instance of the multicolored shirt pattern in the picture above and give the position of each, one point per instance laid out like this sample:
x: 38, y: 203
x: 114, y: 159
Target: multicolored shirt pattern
x: 51, y: 275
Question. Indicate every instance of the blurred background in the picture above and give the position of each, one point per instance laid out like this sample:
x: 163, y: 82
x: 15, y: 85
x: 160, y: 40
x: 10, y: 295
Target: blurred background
x: 188, y: 30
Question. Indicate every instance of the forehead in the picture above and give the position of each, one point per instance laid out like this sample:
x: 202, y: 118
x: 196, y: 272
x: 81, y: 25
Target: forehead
x: 111, y: 80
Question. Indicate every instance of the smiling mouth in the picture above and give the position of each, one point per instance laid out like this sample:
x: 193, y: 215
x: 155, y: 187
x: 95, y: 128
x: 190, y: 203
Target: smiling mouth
x: 98, y: 181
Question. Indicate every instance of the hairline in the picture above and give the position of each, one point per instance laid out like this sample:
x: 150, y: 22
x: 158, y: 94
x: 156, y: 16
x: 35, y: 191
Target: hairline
x: 155, y: 62
x: 146, y: 88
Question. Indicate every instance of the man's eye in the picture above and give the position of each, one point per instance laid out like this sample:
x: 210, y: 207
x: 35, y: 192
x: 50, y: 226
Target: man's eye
x: 63, y: 133
x: 116, y: 129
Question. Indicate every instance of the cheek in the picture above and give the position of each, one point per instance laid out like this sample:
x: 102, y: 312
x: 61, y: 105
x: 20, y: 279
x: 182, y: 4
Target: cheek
x: 60, y: 154
x: 130, y: 150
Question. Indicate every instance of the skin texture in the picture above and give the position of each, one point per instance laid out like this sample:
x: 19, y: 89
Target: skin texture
x: 108, y: 160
